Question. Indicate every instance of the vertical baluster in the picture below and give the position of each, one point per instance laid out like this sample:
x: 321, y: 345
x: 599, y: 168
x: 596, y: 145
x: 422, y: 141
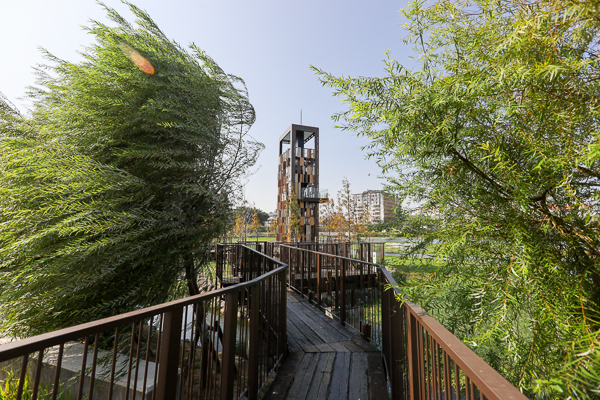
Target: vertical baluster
x: 428, y: 365
x: 253, y: 354
x: 318, y: 262
x: 157, y: 363
x: 337, y: 293
x: 94, y: 362
x: 83, y: 368
x: 386, y: 313
x: 413, y: 357
x: 343, y: 265
x: 57, y: 372
x: 192, y: 353
x: 301, y: 263
x: 456, y: 380
x: 228, y: 363
x: 169, y: 354
x: 150, y: 324
x: 130, y: 361
x: 38, y: 374
x: 469, y: 394
x: 282, y: 314
x: 137, y: 358
x: 180, y: 382
x: 435, y: 367
x: 330, y: 286
x: 22, y: 375
x: 396, y: 352
x: 422, y: 340
x: 447, y: 376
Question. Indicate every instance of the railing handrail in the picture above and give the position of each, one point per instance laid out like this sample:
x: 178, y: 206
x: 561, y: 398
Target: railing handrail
x: 32, y: 344
x: 460, y: 352
x: 334, y: 255
x: 494, y: 385
x: 256, y: 251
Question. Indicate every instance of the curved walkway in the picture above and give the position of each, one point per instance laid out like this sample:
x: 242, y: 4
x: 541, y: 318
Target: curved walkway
x: 326, y: 360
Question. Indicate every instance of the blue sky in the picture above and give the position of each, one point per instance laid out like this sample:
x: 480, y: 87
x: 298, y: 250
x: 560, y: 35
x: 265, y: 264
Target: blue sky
x: 269, y: 44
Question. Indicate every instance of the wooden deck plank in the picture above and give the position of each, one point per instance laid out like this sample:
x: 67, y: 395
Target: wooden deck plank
x: 303, y: 332
x: 358, y: 386
x: 353, y: 347
x: 377, y: 380
x: 347, y: 334
x: 293, y: 345
x: 319, y: 327
x: 321, y: 366
x: 323, y: 325
x: 322, y: 376
x: 311, y: 349
x: 366, y: 346
x: 338, y: 347
x: 304, y: 327
x: 325, y: 348
x: 340, y: 377
x: 303, y: 378
x: 285, y: 377
x: 326, y: 381
x: 296, y: 333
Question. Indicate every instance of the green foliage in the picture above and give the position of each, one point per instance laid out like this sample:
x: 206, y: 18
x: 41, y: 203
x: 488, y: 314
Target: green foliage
x: 10, y: 385
x: 496, y: 135
x: 294, y: 229
x: 113, y: 188
x: 341, y: 219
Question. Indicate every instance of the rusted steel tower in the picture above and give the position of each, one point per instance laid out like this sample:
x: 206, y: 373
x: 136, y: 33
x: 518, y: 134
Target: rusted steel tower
x: 298, y: 181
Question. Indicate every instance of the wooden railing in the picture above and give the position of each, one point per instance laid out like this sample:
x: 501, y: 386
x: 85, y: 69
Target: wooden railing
x: 222, y: 344
x: 423, y: 359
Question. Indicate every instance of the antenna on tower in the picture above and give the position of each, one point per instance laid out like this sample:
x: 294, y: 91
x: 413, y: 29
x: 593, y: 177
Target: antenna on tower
x: 300, y: 116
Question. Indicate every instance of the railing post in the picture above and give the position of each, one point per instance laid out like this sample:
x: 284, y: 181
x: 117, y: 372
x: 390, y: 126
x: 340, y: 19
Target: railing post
x: 343, y: 292
x: 300, y: 266
x: 382, y: 253
x: 229, y: 333
x: 337, y: 290
x: 218, y: 265
x: 282, y: 342
x: 329, y: 287
x: 318, y: 279
x: 253, y: 356
x: 396, y: 347
x: 386, y: 314
x: 413, y: 356
x: 293, y: 263
x: 166, y: 387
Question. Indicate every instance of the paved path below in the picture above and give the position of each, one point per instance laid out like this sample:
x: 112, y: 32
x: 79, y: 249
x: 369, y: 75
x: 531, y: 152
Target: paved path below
x: 326, y: 361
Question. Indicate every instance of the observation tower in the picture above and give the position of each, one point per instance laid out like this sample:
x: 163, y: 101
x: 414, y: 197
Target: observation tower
x: 299, y: 196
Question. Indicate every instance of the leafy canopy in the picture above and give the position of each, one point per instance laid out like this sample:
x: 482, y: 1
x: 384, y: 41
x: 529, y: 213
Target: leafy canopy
x: 114, y: 186
x: 496, y: 135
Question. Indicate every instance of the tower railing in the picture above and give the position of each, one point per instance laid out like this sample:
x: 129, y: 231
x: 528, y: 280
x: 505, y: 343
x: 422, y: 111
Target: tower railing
x: 314, y: 193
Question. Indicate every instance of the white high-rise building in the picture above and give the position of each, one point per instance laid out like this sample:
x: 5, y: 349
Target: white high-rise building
x: 378, y: 205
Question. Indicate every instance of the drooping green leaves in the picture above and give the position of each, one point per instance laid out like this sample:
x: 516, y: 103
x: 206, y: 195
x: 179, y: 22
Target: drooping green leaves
x: 112, y: 190
x: 495, y: 136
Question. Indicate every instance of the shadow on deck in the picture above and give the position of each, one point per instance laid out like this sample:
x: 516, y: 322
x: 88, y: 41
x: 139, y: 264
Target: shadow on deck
x: 326, y: 360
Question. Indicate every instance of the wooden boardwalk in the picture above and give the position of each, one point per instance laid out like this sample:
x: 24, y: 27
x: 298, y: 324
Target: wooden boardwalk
x: 326, y: 360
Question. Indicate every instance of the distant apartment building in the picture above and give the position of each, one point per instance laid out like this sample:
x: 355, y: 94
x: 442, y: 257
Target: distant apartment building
x: 378, y: 205
x: 272, y: 219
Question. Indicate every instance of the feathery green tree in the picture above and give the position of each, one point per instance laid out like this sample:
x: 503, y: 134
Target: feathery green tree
x: 496, y: 137
x: 113, y: 188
